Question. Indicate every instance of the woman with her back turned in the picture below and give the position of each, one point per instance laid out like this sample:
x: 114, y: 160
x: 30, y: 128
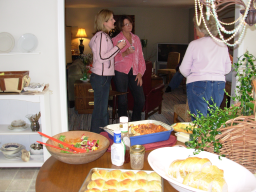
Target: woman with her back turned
x: 103, y: 67
x: 205, y: 65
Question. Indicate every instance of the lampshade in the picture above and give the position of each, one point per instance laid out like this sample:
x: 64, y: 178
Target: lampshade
x: 81, y: 33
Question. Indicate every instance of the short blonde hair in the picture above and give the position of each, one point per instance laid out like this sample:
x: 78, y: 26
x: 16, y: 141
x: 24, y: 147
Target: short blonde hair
x: 103, y: 16
x: 211, y: 24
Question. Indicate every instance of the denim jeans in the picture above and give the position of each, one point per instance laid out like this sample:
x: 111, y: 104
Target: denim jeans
x: 176, y: 80
x: 122, y: 81
x: 100, y: 116
x: 198, y: 90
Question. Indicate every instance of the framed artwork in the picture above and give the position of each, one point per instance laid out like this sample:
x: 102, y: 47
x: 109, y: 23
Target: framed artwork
x: 115, y: 32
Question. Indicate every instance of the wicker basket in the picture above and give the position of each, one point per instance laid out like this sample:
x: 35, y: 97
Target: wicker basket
x: 238, y: 141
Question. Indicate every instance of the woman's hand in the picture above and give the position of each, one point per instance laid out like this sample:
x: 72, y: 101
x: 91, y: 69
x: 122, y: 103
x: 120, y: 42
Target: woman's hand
x: 121, y: 44
x: 128, y: 51
x: 139, y: 78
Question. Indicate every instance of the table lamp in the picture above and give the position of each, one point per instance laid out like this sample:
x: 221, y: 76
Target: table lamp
x: 81, y: 34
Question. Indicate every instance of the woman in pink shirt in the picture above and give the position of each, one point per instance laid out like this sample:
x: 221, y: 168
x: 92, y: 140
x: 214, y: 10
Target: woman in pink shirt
x: 129, y: 69
x: 103, y: 67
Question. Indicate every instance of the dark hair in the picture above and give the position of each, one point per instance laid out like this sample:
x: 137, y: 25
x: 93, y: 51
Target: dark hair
x: 120, y: 21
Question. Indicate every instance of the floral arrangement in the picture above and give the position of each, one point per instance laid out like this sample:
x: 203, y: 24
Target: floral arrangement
x: 87, y: 60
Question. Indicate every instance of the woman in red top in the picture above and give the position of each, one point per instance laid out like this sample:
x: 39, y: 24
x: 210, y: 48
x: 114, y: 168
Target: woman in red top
x: 129, y: 69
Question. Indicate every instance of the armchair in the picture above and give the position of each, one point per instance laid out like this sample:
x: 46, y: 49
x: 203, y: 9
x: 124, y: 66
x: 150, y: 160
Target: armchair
x: 172, y: 62
x: 153, y: 95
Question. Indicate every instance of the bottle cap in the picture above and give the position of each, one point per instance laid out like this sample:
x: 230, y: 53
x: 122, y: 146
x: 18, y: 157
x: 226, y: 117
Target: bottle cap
x: 123, y: 119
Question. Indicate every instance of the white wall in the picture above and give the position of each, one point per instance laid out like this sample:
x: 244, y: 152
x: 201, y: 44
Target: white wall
x: 247, y: 44
x: 168, y: 25
x: 40, y: 18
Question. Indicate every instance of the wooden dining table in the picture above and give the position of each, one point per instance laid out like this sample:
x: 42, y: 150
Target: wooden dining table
x: 56, y: 176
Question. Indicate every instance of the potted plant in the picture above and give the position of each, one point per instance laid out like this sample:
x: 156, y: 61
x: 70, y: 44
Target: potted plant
x: 87, y: 60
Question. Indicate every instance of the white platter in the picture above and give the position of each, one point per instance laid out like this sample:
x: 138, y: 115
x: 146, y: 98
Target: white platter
x: 7, y: 42
x: 18, y: 128
x: 238, y: 178
x: 27, y: 43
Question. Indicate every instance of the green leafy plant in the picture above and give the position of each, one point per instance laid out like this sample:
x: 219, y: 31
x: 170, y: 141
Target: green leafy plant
x: 208, y: 127
x: 246, y: 71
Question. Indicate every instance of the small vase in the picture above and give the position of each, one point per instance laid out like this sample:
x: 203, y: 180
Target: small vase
x: 35, y: 125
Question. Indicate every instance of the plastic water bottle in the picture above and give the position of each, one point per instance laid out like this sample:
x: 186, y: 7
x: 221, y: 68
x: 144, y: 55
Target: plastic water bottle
x: 117, y: 150
x: 125, y: 137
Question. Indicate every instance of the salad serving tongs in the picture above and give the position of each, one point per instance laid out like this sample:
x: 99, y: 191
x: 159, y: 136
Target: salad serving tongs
x: 55, y: 147
x: 63, y: 143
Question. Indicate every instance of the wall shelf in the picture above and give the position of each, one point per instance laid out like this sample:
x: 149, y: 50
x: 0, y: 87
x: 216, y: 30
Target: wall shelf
x: 20, y: 53
x: 17, y: 106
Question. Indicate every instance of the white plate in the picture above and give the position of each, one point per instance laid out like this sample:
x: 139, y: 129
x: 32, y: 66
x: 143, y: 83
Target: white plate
x: 27, y: 42
x: 7, y: 42
x: 237, y: 177
x: 18, y: 128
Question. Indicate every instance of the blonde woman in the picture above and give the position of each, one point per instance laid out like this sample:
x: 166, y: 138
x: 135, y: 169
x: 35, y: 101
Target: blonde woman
x: 205, y: 65
x: 103, y: 67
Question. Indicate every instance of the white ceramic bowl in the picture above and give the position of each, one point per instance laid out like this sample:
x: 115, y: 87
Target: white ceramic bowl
x: 237, y: 177
x: 11, y: 148
x: 18, y: 123
x: 36, y: 149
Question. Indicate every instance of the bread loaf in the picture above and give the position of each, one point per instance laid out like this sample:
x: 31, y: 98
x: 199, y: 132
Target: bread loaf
x: 140, y: 190
x: 180, y: 168
x: 198, y: 173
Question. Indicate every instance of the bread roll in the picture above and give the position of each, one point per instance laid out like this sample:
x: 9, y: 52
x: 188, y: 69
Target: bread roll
x: 110, y: 190
x: 205, y: 183
x: 213, y: 169
x: 154, y: 176
x: 154, y: 186
x: 127, y: 175
x: 124, y: 191
x: 111, y: 184
x: 141, y: 175
x: 195, y: 179
x: 114, y: 174
x: 190, y: 178
x: 139, y: 184
x: 201, y: 164
x: 174, y: 168
x: 219, y: 184
x: 93, y: 190
x: 99, y: 174
x: 98, y: 184
x: 125, y: 184
x: 140, y: 190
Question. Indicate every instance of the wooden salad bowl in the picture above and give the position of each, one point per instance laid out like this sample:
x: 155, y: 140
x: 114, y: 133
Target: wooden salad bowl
x: 78, y: 158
